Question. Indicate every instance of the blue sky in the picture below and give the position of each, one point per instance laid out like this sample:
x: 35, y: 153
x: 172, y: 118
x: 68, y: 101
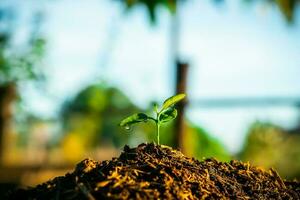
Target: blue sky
x: 234, y: 51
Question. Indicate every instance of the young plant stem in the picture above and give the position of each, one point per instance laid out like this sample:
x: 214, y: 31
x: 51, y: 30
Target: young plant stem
x: 157, y: 130
x: 157, y: 125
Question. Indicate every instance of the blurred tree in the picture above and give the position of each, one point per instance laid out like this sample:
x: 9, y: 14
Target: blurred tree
x: 269, y: 145
x: 92, y: 117
x: 18, y: 63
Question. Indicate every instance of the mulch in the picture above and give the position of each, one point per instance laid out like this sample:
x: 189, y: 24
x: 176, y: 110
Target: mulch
x: 152, y: 171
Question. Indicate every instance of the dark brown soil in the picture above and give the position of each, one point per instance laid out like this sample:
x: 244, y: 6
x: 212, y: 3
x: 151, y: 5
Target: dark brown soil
x: 159, y: 172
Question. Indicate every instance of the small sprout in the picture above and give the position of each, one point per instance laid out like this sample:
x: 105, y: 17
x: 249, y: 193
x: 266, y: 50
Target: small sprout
x: 163, y: 115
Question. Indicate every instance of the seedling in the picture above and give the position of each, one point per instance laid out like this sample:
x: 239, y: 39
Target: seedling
x: 165, y: 114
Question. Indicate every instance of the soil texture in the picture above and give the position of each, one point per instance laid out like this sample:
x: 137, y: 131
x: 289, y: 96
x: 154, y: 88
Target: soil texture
x: 152, y: 171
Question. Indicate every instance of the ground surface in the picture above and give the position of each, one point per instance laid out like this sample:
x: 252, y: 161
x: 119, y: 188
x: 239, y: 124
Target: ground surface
x: 158, y: 172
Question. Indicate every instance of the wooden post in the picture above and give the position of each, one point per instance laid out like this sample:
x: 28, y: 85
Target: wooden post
x: 181, y: 84
x: 7, y: 96
x: 181, y: 77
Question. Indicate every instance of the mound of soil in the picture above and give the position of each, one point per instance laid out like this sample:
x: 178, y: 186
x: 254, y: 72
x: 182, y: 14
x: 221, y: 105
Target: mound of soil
x: 159, y: 172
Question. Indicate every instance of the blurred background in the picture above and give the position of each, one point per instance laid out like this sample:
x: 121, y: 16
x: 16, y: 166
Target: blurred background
x: 71, y: 70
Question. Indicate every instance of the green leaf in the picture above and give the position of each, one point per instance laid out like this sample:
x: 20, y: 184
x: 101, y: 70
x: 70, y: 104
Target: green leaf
x: 171, y: 5
x: 167, y: 115
x: 133, y: 119
x: 172, y: 101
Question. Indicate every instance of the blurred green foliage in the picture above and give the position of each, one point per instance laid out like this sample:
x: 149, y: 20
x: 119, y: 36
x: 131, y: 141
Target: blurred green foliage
x: 19, y: 61
x: 200, y: 144
x: 269, y: 145
x: 95, y: 113
x: 287, y: 7
x: 152, y: 6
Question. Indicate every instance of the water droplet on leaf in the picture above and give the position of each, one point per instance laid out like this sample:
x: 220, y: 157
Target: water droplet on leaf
x: 127, y: 128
